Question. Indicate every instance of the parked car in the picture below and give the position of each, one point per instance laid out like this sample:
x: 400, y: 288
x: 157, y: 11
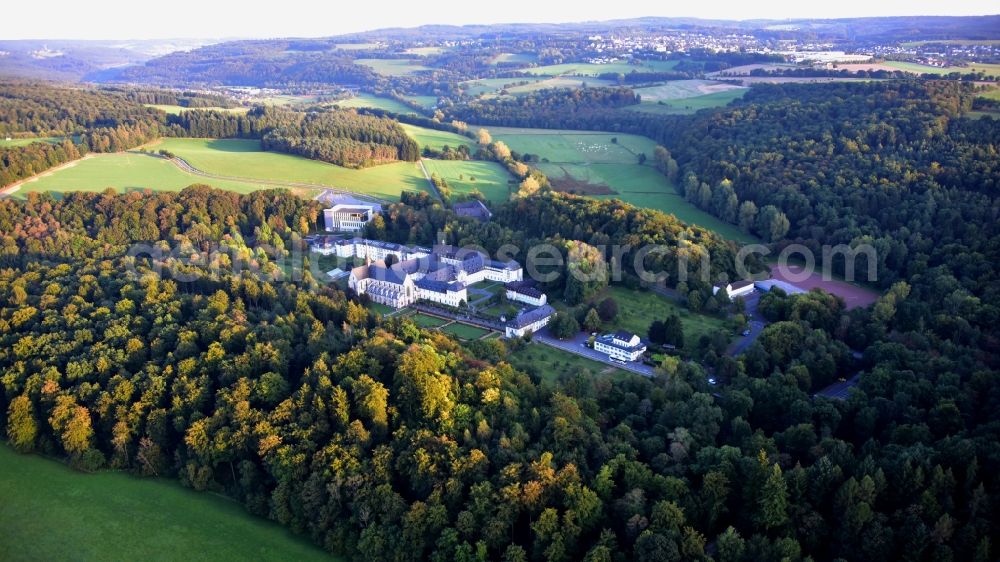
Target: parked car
x: 711, y: 381
x: 746, y: 333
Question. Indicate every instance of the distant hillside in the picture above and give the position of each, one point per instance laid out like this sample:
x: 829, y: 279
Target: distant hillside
x: 80, y: 60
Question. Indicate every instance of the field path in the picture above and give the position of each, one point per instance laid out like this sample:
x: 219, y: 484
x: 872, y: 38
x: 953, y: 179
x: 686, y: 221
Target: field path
x: 187, y: 167
x: 12, y: 188
x: 430, y: 182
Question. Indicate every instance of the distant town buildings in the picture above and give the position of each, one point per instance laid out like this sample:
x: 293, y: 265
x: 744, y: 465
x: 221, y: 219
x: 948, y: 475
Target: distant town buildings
x: 623, y: 346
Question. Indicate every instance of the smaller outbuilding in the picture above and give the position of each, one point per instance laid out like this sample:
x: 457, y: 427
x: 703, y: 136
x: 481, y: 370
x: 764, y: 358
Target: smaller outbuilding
x: 735, y: 289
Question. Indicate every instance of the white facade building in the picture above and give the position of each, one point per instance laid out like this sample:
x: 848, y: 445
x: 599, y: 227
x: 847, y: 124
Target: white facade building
x: 733, y: 290
x: 529, y: 321
x: 527, y: 295
x: 348, y: 217
x: 623, y: 346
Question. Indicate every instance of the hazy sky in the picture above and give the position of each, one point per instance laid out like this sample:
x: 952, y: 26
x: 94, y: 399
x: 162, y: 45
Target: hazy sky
x: 137, y: 19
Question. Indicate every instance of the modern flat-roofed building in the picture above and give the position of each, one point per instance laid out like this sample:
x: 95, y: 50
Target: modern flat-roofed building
x: 623, y: 346
x: 348, y: 217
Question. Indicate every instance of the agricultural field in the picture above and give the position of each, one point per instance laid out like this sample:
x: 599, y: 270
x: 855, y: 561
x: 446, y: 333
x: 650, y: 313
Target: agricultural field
x: 589, y: 163
x: 550, y: 364
x: 591, y: 69
x: 494, y: 85
x: 681, y: 89
x: 125, y: 172
x: 177, y: 109
x: 526, y: 58
x: 988, y: 69
x: 638, y: 309
x: 565, y: 82
x: 288, y: 99
x: 426, y: 102
x: 374, y: 102
x: 686, y: 106
x: 393, y: 67
x: 992, y: 94
x: 245, y: 159
x: 24, y: 142
x: 356, y: 46
x: 50, y: 512
x: 465, y: 176
x: 425, y: 51
x: 436, y: 139
x: 464, y: 331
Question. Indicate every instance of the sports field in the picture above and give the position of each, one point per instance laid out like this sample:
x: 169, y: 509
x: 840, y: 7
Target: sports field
x: 177, y: 109
x: 464, y: 331
x: 49, y: 512
x: 434, y: 138
x: 125, y: 172
x: 854, y: 295
x: 589, y: 163
x: 24, y: 142
x: 374, y: 102
x: 245, y: 159
x: 590, y: 69
x: 392, y: 67
x: 466, y: 176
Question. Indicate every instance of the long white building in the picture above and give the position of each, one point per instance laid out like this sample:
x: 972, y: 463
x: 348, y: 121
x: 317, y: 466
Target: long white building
x: 348, y: 217
x: 529, y: 321
x: 623, y: 346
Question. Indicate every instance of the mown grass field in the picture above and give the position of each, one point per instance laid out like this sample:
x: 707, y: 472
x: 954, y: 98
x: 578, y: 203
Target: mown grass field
x: 375, y: 102
x: 549, y: 364
x: 434, y: 138
x: 426, y: 102
x: 24, y: 142
x: 988, y: 69
x: 686, y: 106
x: 590, y: 69
x: 393, y: 67
x: 680, y: 89
x: 245, y: 159
x: 464, y: 331
x: 465, y: 176
x: 514, y: 57
x: 49, y: 512
x: 177, y: 109
x: 494, y: 85
x: 565, y: 82
x: 589, y: 163
x: 427, y: 321
x: 126, y: 172
x: 638, y: 309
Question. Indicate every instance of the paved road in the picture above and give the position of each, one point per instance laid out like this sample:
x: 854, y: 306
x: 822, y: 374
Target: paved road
x: 840, y: 390
x: 187, y: 167
x: 756, y: 326
x: 575, y: 346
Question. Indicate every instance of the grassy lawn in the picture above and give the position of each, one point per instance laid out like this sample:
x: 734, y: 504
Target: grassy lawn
x: 491, y: 287
x: 375, y: 102
x: 50, y: 512
x: 24, y: 142
x: 680, y: 89
x: 638, y: 309
x: 466, y: 176
x: 428, y: 321
x: 434, y: 138
x: 464, y: 331
x: 509, y: 310
x: 514, y: 57
x: 549, y: 363
x: 590, y: 69
x: 245, y: 159
x: 381, y: 308
x: 589, y: 163
x: 686, y: 106
x: 570, y: 82
x: 177, y: 109
x: 988, y: 69
x: 127, y: 172
x: 427, y: 102
x: 392, y: 67
x: 493, y: 85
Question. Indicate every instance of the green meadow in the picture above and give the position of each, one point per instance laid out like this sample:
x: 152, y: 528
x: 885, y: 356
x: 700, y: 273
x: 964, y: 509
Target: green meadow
x: 392, y: 67
x: 466, y: 176
x: 177, y: 109
x: 526, y: 58
x: 685, y: 106
x: 638, y: 309
x: 50, y: 512
x: 550, y: 364
x: 370, y: 101
x: 988, y: 69
x: 605, y: 166
x: 127, y: 171
x: 436, y: 139
x: 245, y: 159
x: 24, y: 142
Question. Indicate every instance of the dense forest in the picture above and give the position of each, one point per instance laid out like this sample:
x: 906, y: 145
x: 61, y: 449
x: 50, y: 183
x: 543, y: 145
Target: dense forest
x: 384, y: 442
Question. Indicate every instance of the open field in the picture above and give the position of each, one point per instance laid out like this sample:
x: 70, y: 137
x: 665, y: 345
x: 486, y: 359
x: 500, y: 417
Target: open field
x: 425, y: 51
x: 374, y: 102
x: 24, y: 142
x: 565, y: 82
x: 588, y: 163
x: 466, y: 176
x: 638, y: 309
x: 177, y: 109
x: 514, y: 57
x: 590, y: 69
x: 356, y: 46
x: 436, y: 139
x: 464, y: 331
x: 288, y: 99
x: 988, y: 69
x: 50, y: 512
x: 494, y: 85
x: 245, y: 159
x: 392, y: 67
x: 854, y: 295
x: 681, y: 89
x: 125, y: 172
x: 549, y: 363
x: 426, y: 102
x: 992, y: 94
x: 685, y: 106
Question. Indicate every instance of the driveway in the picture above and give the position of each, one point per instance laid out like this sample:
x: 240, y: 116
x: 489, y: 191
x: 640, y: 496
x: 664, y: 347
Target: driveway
x: 575, y: 345
x: 756, y: 326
